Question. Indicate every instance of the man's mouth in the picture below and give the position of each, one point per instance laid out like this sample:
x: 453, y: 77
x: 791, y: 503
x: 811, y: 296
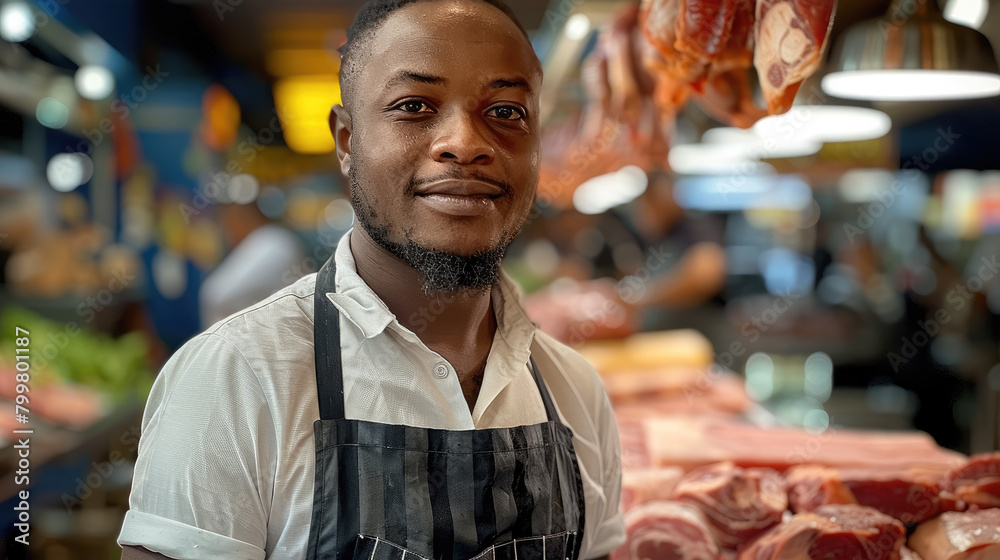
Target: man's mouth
x: 460, y: 187
x: 459, y: 197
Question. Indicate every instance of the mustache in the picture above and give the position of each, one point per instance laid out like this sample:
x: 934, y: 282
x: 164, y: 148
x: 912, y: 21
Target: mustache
x: 508, y: 191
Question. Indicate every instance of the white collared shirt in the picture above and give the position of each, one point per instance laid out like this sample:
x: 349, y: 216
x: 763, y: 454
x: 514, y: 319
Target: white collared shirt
x: 227, y: 461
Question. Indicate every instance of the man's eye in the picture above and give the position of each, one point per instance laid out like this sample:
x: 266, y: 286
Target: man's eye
x: 413, y: 106
x: 506, y: 112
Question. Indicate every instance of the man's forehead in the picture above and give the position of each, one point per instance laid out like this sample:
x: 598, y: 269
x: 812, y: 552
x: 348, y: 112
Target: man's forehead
x: 428, y: 36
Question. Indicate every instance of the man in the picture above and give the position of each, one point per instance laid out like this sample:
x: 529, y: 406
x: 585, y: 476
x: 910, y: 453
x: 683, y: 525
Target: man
x: 421, y: 412
x: 262, y: 259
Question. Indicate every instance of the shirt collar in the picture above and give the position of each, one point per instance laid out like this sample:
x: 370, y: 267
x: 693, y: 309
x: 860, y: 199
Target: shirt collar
x: 362, y: 307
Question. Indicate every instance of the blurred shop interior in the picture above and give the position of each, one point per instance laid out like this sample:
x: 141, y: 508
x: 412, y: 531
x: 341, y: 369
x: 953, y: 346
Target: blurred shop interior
x: 841, y: 261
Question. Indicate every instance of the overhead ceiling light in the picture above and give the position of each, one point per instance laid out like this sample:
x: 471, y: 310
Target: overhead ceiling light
x: 17, y: 22
x: 604, y: 192
x: 728, y: 150
x: 94, y: 82
x: 713, y: 159
x: 303, y: 104
x: 824, y: 123
x: 912, y: 54
x: 723, y: 194
x: 66, y: 172
x: 971, y: 13
x: 577, y: 26
x: 52, y: 113
x: 760, y: 147
x: 243, y: 188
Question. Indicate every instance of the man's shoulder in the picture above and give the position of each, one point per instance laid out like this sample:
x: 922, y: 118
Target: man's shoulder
x: 277, y: 329
x: 293, y: 303
x: 570, y: 376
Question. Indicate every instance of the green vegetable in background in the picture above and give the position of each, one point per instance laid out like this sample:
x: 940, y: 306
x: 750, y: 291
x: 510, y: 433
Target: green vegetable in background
x: 117, y: 368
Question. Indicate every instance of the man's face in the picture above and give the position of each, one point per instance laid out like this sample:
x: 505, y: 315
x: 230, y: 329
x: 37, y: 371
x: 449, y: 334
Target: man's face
x: 444, y: 145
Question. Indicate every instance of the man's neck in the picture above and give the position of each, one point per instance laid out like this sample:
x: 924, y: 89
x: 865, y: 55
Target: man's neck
x: 460, y: 327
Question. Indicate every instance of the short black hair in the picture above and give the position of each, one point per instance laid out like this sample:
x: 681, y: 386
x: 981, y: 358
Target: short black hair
x: 370, y: 17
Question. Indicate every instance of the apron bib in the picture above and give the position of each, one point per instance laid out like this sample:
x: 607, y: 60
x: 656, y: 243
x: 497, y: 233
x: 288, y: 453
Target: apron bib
x: 395, y: 492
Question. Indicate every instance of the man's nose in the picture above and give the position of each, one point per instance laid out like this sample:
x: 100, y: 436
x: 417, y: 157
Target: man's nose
x: 463, y: 139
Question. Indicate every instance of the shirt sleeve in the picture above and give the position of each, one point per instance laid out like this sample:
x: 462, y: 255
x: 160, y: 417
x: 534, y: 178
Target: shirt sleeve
x: 584, y: 404
x: 203, y: 478
x: 610, y: 533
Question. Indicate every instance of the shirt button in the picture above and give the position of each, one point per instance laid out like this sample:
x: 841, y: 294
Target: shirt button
x: 441, y: 371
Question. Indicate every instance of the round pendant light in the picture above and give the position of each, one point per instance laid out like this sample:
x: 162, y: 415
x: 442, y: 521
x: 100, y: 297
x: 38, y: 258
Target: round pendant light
x: 912, y: 54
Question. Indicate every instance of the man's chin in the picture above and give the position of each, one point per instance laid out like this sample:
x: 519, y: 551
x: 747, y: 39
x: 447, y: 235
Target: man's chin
x: 464, y: 244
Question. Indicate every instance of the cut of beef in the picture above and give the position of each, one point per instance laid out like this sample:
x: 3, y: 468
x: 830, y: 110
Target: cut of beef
x: 978, y: 482
x: 738, y: 503
x: 910, y: 496
x: 666, y: 531
x: 833, y: 532
x: 969, y: 535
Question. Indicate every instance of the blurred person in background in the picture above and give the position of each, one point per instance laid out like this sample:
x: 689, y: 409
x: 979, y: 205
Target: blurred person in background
x: 263, y: 258
x: 682, y: 254
x: 653, y: 267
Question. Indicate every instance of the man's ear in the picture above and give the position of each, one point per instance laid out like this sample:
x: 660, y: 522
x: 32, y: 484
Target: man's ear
x: 340, y: 126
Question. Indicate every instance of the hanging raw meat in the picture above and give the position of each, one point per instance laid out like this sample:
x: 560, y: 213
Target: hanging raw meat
x: 627, y: 120
x: 728, y: 98
x: 790, y: 36
x: 711, y: 46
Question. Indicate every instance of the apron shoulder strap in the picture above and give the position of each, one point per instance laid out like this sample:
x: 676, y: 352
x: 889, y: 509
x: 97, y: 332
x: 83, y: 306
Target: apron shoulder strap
x: 326, y: 337
x: 550, y: 408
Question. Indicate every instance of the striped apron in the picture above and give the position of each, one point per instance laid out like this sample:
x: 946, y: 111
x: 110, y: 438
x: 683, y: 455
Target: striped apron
x: 394, y: 492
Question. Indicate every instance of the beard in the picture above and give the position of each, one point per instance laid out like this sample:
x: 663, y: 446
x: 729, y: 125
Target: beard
x: 442, y: 272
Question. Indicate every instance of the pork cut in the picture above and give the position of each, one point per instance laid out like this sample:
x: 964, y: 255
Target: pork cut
x: 978, y: 482
x: 646, y: 485
x: 693, y: 441
x: 909, y: 495
x: 790, y: 37
x: 677, y: 390
x: 832, y: 532
x: 666, y: 531
x: 738, y: 503
x: 968, y: 535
